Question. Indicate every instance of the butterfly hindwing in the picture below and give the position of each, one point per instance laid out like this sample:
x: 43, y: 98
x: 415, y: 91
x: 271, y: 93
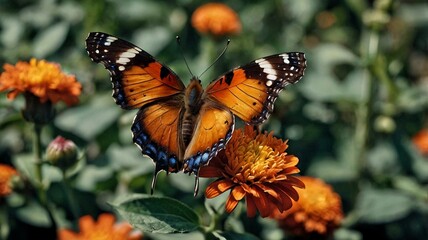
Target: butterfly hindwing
x: 251, y: 90
x: 213, y: 129
x: 156, y: 129
x: 137, y: 78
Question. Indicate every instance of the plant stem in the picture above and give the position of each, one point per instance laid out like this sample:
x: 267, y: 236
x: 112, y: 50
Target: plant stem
x: 364, y: 110
x: 70, y: 197
x: 41, y: 191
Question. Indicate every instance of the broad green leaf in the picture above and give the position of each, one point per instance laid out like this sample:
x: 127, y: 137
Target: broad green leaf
x: 382, y: 206
x: 34, y: 214
x: 234, y: 236
x: 50, y: 40
x: 157, y: 214
x: 176, y: 236
x: 127, y: 157
x: 87, y: 121
x: 153, y: 39
x: 91, y: 175
x: 382, y: 159
x: 355, y: 87
x: 12, y: 31
x: 26, y: 165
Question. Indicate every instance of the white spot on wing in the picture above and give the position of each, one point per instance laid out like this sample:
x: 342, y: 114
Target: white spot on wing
x: 111, y: 39
x: 127, y: 54
x: 107, y: 43
x: 268, y: 68
x: 285, y: 57
x: 269, y: 71
x: 133, y: 50
x: 121, y: 68
x: 271, y: 77
x: 122, y: 60
x: 269, y: 83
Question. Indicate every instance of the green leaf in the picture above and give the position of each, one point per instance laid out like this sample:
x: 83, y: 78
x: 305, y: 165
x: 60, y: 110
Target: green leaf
x: 91, y: 175
x: 153, y: 39
x: 157, y: 214
x: 233, y: 235
x: 87, y: 121
x: 34, y: 214
x: 382, y: 206
x: 50, y: 40
x: 26, y: 165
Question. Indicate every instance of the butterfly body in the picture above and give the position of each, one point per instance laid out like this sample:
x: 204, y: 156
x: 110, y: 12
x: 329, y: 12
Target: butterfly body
x: 182, y: 128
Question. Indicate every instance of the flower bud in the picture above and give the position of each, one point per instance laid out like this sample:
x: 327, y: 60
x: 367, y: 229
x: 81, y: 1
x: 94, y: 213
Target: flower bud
x: 62, y: 153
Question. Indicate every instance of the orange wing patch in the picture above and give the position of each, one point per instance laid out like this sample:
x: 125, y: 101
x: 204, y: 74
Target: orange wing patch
x: 155, y: 130
x: 140, y: 86
x: 213, y: 129
x: 244, y: 97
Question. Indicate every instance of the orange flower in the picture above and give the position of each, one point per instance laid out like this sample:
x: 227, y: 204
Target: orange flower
x: 318, y: 210
x: 217, y: 19
x: 103, y: 229
x: 43, y: 79
x: 254, y: 166
x: 421, y: 141
x: 6, y: 173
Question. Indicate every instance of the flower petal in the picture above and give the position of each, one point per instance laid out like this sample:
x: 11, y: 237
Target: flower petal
x: 86, y: 223
x: 231, y: 203
x: 251, y: 206
x: 238, y: 193
x: 218, y: 187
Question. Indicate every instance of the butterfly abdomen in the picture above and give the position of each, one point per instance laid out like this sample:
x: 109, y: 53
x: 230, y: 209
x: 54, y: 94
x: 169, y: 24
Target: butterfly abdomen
x: 187, y: 127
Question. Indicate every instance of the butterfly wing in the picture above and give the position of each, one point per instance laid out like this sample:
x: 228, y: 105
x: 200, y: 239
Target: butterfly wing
x: 156, y: 130
x: 137, y: 78
x: 251, y: 90
x: 213, y: 128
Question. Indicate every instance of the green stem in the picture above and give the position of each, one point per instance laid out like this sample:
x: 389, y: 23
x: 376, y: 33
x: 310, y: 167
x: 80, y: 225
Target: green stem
x: 41, y: 191
x: 4, y: 229
x: 364, y: 110
x: 70, y: 197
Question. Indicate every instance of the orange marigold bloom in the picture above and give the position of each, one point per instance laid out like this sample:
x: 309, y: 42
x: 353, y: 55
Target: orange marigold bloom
x: 318, y: 210
x: 421, y: 141
x: 6, y: 172
x: 254, y: 166
x: 104, y: 229
x: 217, y: 19
x: 43, y: 79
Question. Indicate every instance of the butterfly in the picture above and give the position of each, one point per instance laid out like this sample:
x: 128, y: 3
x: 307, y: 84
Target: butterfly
x: 181, y: 128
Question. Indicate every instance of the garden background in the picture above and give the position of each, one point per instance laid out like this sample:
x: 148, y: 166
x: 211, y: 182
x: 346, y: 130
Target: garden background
x: 357, y: 119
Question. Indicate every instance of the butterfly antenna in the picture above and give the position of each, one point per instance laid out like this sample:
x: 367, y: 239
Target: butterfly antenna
x: 182, y: 54
x: 215, y: 61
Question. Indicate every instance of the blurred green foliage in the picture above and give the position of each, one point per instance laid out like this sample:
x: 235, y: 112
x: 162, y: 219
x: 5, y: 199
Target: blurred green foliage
x: 350, y: 120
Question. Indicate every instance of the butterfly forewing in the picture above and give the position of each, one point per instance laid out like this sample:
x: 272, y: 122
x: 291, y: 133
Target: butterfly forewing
x: 137, y: 78
x: 251, y: 90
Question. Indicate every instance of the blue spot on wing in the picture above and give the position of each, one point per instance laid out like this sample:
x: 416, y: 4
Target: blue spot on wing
x: 160, y: 156
x: 195, y: 162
